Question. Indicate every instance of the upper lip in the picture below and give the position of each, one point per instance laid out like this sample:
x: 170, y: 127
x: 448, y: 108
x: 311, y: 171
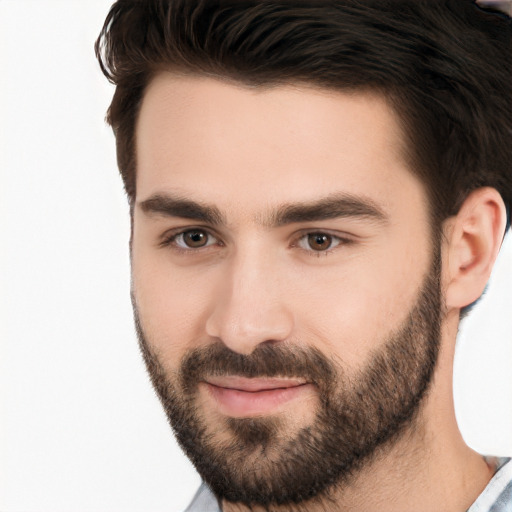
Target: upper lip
x: 254, y: 384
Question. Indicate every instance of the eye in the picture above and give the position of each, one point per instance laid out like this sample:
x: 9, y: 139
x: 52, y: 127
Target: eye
x: 193, y: 239
x: 319, y: 242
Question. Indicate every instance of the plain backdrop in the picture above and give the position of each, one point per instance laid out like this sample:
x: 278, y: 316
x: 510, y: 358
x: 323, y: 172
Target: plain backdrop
x: 80, y: 427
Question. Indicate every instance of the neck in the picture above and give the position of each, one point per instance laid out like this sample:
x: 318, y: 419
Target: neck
x: 429, y: 468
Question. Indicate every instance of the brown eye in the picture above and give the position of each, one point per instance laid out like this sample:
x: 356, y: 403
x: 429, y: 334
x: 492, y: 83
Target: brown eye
x: 193, y: 239
x: 319, y: 241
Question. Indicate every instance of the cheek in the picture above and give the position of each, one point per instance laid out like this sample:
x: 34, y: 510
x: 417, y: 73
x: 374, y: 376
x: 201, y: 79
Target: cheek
x: 172, y: 304
x: 352, y: 310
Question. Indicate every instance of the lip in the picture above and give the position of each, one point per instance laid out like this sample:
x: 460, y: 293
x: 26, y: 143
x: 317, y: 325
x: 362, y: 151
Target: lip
x: 241, y: 397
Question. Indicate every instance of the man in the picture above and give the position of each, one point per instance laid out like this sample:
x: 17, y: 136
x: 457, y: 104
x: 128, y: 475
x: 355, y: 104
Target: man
x: 318, y: 191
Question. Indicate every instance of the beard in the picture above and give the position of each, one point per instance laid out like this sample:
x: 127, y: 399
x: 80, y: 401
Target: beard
x: 262, y: 460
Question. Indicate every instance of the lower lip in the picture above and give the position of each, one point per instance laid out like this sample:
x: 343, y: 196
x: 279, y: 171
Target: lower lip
x: 243, y: 404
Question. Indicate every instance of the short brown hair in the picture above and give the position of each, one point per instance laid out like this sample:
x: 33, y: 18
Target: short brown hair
x: 445, y: 66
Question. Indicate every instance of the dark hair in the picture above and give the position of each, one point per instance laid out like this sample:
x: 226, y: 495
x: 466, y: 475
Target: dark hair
x: 444, y: 66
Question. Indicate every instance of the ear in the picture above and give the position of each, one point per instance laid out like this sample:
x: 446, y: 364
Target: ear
x: 474, y: 238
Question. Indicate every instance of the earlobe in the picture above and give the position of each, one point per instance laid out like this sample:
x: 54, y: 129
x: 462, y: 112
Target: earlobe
x: 474, y: 240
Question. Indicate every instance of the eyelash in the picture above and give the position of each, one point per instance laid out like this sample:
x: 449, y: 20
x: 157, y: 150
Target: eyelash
x: 170, y: 241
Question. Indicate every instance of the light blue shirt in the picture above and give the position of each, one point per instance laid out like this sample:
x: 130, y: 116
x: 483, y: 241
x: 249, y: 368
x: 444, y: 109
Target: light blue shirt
x: 496, y: 497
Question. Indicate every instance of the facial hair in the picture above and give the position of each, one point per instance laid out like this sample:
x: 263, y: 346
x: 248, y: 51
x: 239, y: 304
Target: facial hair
x: 256, y: 461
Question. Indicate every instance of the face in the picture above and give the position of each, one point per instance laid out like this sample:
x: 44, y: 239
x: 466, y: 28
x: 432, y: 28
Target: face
x: 285, y: 282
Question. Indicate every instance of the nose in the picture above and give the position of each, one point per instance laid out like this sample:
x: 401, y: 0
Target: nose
x: 250, y: 306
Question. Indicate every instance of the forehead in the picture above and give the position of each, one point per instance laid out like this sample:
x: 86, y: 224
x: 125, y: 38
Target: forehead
x: 252, y: 147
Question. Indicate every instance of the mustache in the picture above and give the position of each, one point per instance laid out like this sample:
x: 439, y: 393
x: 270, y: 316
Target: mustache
x: 267, y: 360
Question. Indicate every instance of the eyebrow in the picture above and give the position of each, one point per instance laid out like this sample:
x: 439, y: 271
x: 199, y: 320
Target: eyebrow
x: 330, y: 207
x: 171, y: 206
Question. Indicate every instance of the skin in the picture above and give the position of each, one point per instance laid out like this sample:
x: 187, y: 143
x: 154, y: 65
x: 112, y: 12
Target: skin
x: 248, y: 152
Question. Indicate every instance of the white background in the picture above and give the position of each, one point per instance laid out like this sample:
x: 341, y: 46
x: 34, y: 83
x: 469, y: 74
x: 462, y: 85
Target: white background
x: 80, y: 427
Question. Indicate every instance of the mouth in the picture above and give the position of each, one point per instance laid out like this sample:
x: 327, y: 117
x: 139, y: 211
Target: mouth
x: 241, y: 397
